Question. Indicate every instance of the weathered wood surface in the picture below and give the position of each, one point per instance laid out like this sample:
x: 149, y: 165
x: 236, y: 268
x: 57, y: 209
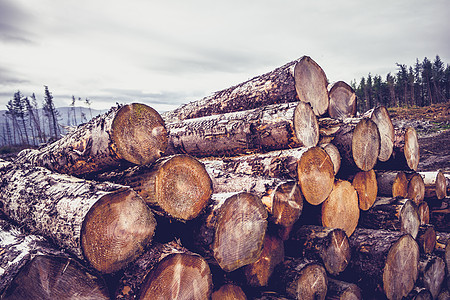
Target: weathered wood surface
x: 300, y: 278
x: 166, y: 271
x: 328, y: 245
x: 334, y: 154
x: 431, y: 274
x: 365, y: 184
x: 175, y: 186
x: 106, y: 224
x: 392, y: 184
x: 380, y: 116
x: 419, y: 293
x: 424, y: 213
x: 435, y: 184
x: 267, y: 128
x: 384, y: 261
x: 426, y: 239
x: 31, y: 268
x: 229, y: 292
x: 133, y: 133
x: 343, y: 101
x: 416, y: 187
x: 341, y: 290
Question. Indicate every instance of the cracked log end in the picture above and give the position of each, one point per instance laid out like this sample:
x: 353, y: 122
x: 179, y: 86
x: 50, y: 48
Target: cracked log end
x: 411, y: 148
x: 315, y: 175
x: 334, y: 154
x: 306, y: 127
x: 178, y: 276
x: 365, y: 183
x: 380, y: 116
x: 311, y: 85
x: 287, y: 204
x: 337, y: 252
x: 366, y: 144
x: 139, y: 134
x: 240, y: 231
x: 115, y: 230
x: 183, y: 187
x: 342, y: 101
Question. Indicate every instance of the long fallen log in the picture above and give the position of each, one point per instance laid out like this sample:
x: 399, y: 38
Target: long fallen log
x: 262, y: 129
x: 342, y: 101
x: 302, y: 79
x: 133, y: 133
x: 384, y: 261
x: 31, y: 268
x: 178, y: 186
x: 106, y: 224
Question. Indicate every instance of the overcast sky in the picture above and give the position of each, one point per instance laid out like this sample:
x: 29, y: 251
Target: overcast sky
x: 167, y: 53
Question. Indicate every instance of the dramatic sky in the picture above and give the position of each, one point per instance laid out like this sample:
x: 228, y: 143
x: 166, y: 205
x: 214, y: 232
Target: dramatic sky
x: 166, y: 53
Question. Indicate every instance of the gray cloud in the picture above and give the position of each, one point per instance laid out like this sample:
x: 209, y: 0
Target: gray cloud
x: 12, y: 21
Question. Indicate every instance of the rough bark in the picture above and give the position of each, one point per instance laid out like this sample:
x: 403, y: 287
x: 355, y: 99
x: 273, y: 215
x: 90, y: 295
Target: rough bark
x: 392, y: 184
x: 426, y: 239
x: 232, y: 230
x: 343, y: 102
x: 267, y: 128
x: 258, y: 273
x: 133, y: 133
x: 341, y: 208
x: 229, y: 292
x: 365, y: 184
x: 416, y: 187
x: 435, y: 184
x: 300, y: 278
x: 166, y: 271
x: 104, y: 223
x: 31, y: 268
x: 431, y: 274
x: 334, y: 154
x: 341, y: 290
x: 328, y: 245
x: 176, y: 186
x: 384, y: 260
x: 419, y: 293
x: 380, y: 116
x: 392, y: 214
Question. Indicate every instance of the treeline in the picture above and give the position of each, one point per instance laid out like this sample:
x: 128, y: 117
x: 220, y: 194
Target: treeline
x: 27, y: 124
x: 425, y: 83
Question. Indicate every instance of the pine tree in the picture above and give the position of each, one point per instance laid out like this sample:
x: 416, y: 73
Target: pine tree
x: 51, y: 113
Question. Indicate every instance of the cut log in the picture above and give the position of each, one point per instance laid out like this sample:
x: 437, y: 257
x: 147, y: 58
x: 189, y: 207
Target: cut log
x: 392, y: 214
x: 106, y: 224
x: 341, y: 208
x: 426, y: 239
x: 419, y: 293
x: 333, y: 152
x: 435, y: 184
x: 358, y: 145
x: 341, y: 290
x: 386, y: 260
x: 365, y: 184
x: 328, y: 245
x: 258, y: 273
x: 424, y: 213
x: 133, y: 133
x: 300, y: 278
x: 31, y: 268
x: 232, y: 230
x: 229, y: 292
x: 166, y: 271
x: 416, y: 187
x: 176, y: 186
x: 380, y: 116
x: 342, y: 101
x: 440, y: 218
x: 278, y: 86
x: 431, y: 274
x: 267, y: 128
x: 270, y: 295
x: 443, y: 250
x: 392, y: 184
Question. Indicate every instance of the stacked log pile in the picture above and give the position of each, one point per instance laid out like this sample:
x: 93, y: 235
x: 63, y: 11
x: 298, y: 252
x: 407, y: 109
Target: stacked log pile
x: 271, y: 189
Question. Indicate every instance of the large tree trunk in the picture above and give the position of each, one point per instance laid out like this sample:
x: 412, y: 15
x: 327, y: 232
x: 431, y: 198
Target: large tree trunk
x: 392, y: 214
x: 301, y: 79
x: 267, y: 128
x: 343, y: 101
x: 177, y: 186
x: 328, y: 245
x: 435, y: 184
x: 392, y: 184
x: 106, y: 224
x: 32, y: 269
x: 166, y: 271
x: 431, y: 274
x: 133, y: 133
x: 365, y: 184
x: 341, y: 290
x: 232, y: 230
x: 300, y: 278
x: 384, y: 260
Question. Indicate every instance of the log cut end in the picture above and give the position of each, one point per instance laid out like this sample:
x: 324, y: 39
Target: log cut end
x: 287, y: 204
x: 380, y: 116
x: 342, y: 101
x: 315, y: 175
x: 426, y: 239
x: 311, y: 85
x: 366, y: 144
x: 240, y: 231
x: 432, y: 273
x: 306, y: 127
x: 334, y: 154
x: 183, y: 187
x: 178, y: 276
x: 411, y: 148
x: 336, y: 252
x: 441, y: 185
x: 400, y: 185
x: 139, y: 134
x: 416, y: 188
x: 229, y: 292
x: 343, y: 290
x: 311, y: 283
x: 341, y: 208
x: 401, y: 268
x: 52, y: 277
x: 409, y: 218
x: 116, y: 230
x: 365, y: 184
x: 424, y: 213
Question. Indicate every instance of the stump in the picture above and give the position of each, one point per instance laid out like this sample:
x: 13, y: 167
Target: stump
x: 342, y: 101
x: 365, y: 184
